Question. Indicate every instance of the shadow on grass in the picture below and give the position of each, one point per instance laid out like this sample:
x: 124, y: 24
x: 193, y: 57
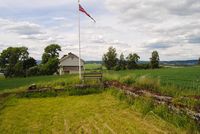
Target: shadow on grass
x: 64, y: 92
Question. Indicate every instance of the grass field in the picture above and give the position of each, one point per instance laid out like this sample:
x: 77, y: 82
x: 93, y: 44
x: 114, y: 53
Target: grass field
x: 97, y: 113
x: 177, y: 80
x: 13, y: 83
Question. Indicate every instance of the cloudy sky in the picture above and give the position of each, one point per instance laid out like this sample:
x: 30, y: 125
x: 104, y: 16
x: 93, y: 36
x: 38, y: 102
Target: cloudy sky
x: 172, y: 27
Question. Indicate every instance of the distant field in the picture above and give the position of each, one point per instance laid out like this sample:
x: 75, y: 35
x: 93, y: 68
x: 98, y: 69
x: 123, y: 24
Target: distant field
x: 92, y: 66
x: 100, y: 113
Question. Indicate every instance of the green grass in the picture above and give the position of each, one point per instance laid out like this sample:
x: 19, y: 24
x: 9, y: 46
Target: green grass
x: 175, y: 80
x: 92, y: 66
x: 97, y: 113
x: 95, y: 110
x: 147, y: 106
x: 11, y: 83
x: 2, y: 77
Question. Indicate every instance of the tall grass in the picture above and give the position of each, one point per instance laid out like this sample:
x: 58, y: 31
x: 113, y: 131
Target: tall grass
x: 148, y: 82
x: 146, y: 105
x: 173, y: 81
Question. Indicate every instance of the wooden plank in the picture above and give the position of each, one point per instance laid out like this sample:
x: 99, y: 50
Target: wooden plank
x: 92, y: 73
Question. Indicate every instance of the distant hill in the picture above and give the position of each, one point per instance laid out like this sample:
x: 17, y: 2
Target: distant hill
x: 93, y: 62
x: 180, y: 62
x: 38, y: 61
x: 175, y: 62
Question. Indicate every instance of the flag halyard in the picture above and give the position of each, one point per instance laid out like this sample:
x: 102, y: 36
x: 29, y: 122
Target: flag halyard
x: 81, y: 9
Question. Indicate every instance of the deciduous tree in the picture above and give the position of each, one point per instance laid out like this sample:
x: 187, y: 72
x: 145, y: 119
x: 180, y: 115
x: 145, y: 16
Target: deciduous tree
x: 50, y: 61
x: 110, y: 58
x: 14, y: 61
x: 154, y: 60
x: 122, y: 62
x: 51, y: 51
x: 132, y: 60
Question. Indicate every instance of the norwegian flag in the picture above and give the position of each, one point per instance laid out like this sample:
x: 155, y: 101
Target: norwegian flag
x: 83, y: 11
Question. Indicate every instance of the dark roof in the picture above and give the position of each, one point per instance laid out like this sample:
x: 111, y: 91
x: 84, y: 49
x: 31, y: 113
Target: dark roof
x: 70, y: 55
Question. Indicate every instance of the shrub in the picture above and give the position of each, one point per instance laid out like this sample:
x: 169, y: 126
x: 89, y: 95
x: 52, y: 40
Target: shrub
x: 117, y: 68
x: 144, y: 66
x: 33, y: 71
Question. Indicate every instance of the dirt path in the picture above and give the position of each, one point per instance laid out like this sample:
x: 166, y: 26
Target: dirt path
x: 159, y: 98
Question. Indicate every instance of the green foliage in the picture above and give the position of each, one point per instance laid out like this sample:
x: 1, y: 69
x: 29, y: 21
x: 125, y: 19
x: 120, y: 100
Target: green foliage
x: 111, y: 62
x: 30, y: 62
x: 122, y: 62
x: 50, y: 67
x: 33, y: 71
x: 51, y: 51
x: 199, y: 61
x: 110, y: 58
x: 15, y: 61
x: 132, y: 60
x: 144, y: 66
x: 154, y: 60
x: 50, y: 61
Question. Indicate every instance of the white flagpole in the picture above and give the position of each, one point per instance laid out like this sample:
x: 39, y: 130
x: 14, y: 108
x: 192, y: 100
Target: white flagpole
x: 79, y: 36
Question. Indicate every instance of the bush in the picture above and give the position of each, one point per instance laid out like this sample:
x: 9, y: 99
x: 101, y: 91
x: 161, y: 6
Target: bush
x: 144, y: 66
x: 117, y: 68
x: 33, y: 71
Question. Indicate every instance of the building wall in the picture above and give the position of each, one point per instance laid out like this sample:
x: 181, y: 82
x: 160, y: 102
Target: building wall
x: 69, y: 70
x: 71, y: 61
x: 70, y: 64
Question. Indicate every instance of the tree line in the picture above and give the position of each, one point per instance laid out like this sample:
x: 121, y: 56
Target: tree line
x: 112, y: 62
x: 199, y: 61
x: 16, y: 62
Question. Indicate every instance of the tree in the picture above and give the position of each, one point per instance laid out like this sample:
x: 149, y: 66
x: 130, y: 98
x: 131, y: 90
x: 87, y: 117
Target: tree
x: 122, y: 62
x: 33, y: 71
x: 132, y: 60
x: 199, y: 61
x: 51, y: 51
x: 28, y: 63
x: 50, y: 61
x: 11, y: 61
x: 110, y: 58
x: 154, y: 60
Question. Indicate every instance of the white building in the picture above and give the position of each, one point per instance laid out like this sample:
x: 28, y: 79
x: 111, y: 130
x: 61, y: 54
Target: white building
x: 69, y: 64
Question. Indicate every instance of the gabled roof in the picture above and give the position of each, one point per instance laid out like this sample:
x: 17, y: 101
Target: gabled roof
x: 70, y: 55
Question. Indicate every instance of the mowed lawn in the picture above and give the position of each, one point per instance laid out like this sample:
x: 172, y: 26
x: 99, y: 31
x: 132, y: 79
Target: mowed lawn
x: 97, y: 113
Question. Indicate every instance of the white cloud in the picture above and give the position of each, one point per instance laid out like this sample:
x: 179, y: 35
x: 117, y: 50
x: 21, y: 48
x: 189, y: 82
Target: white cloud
x: 34, y: 3
x: 171, y: 27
